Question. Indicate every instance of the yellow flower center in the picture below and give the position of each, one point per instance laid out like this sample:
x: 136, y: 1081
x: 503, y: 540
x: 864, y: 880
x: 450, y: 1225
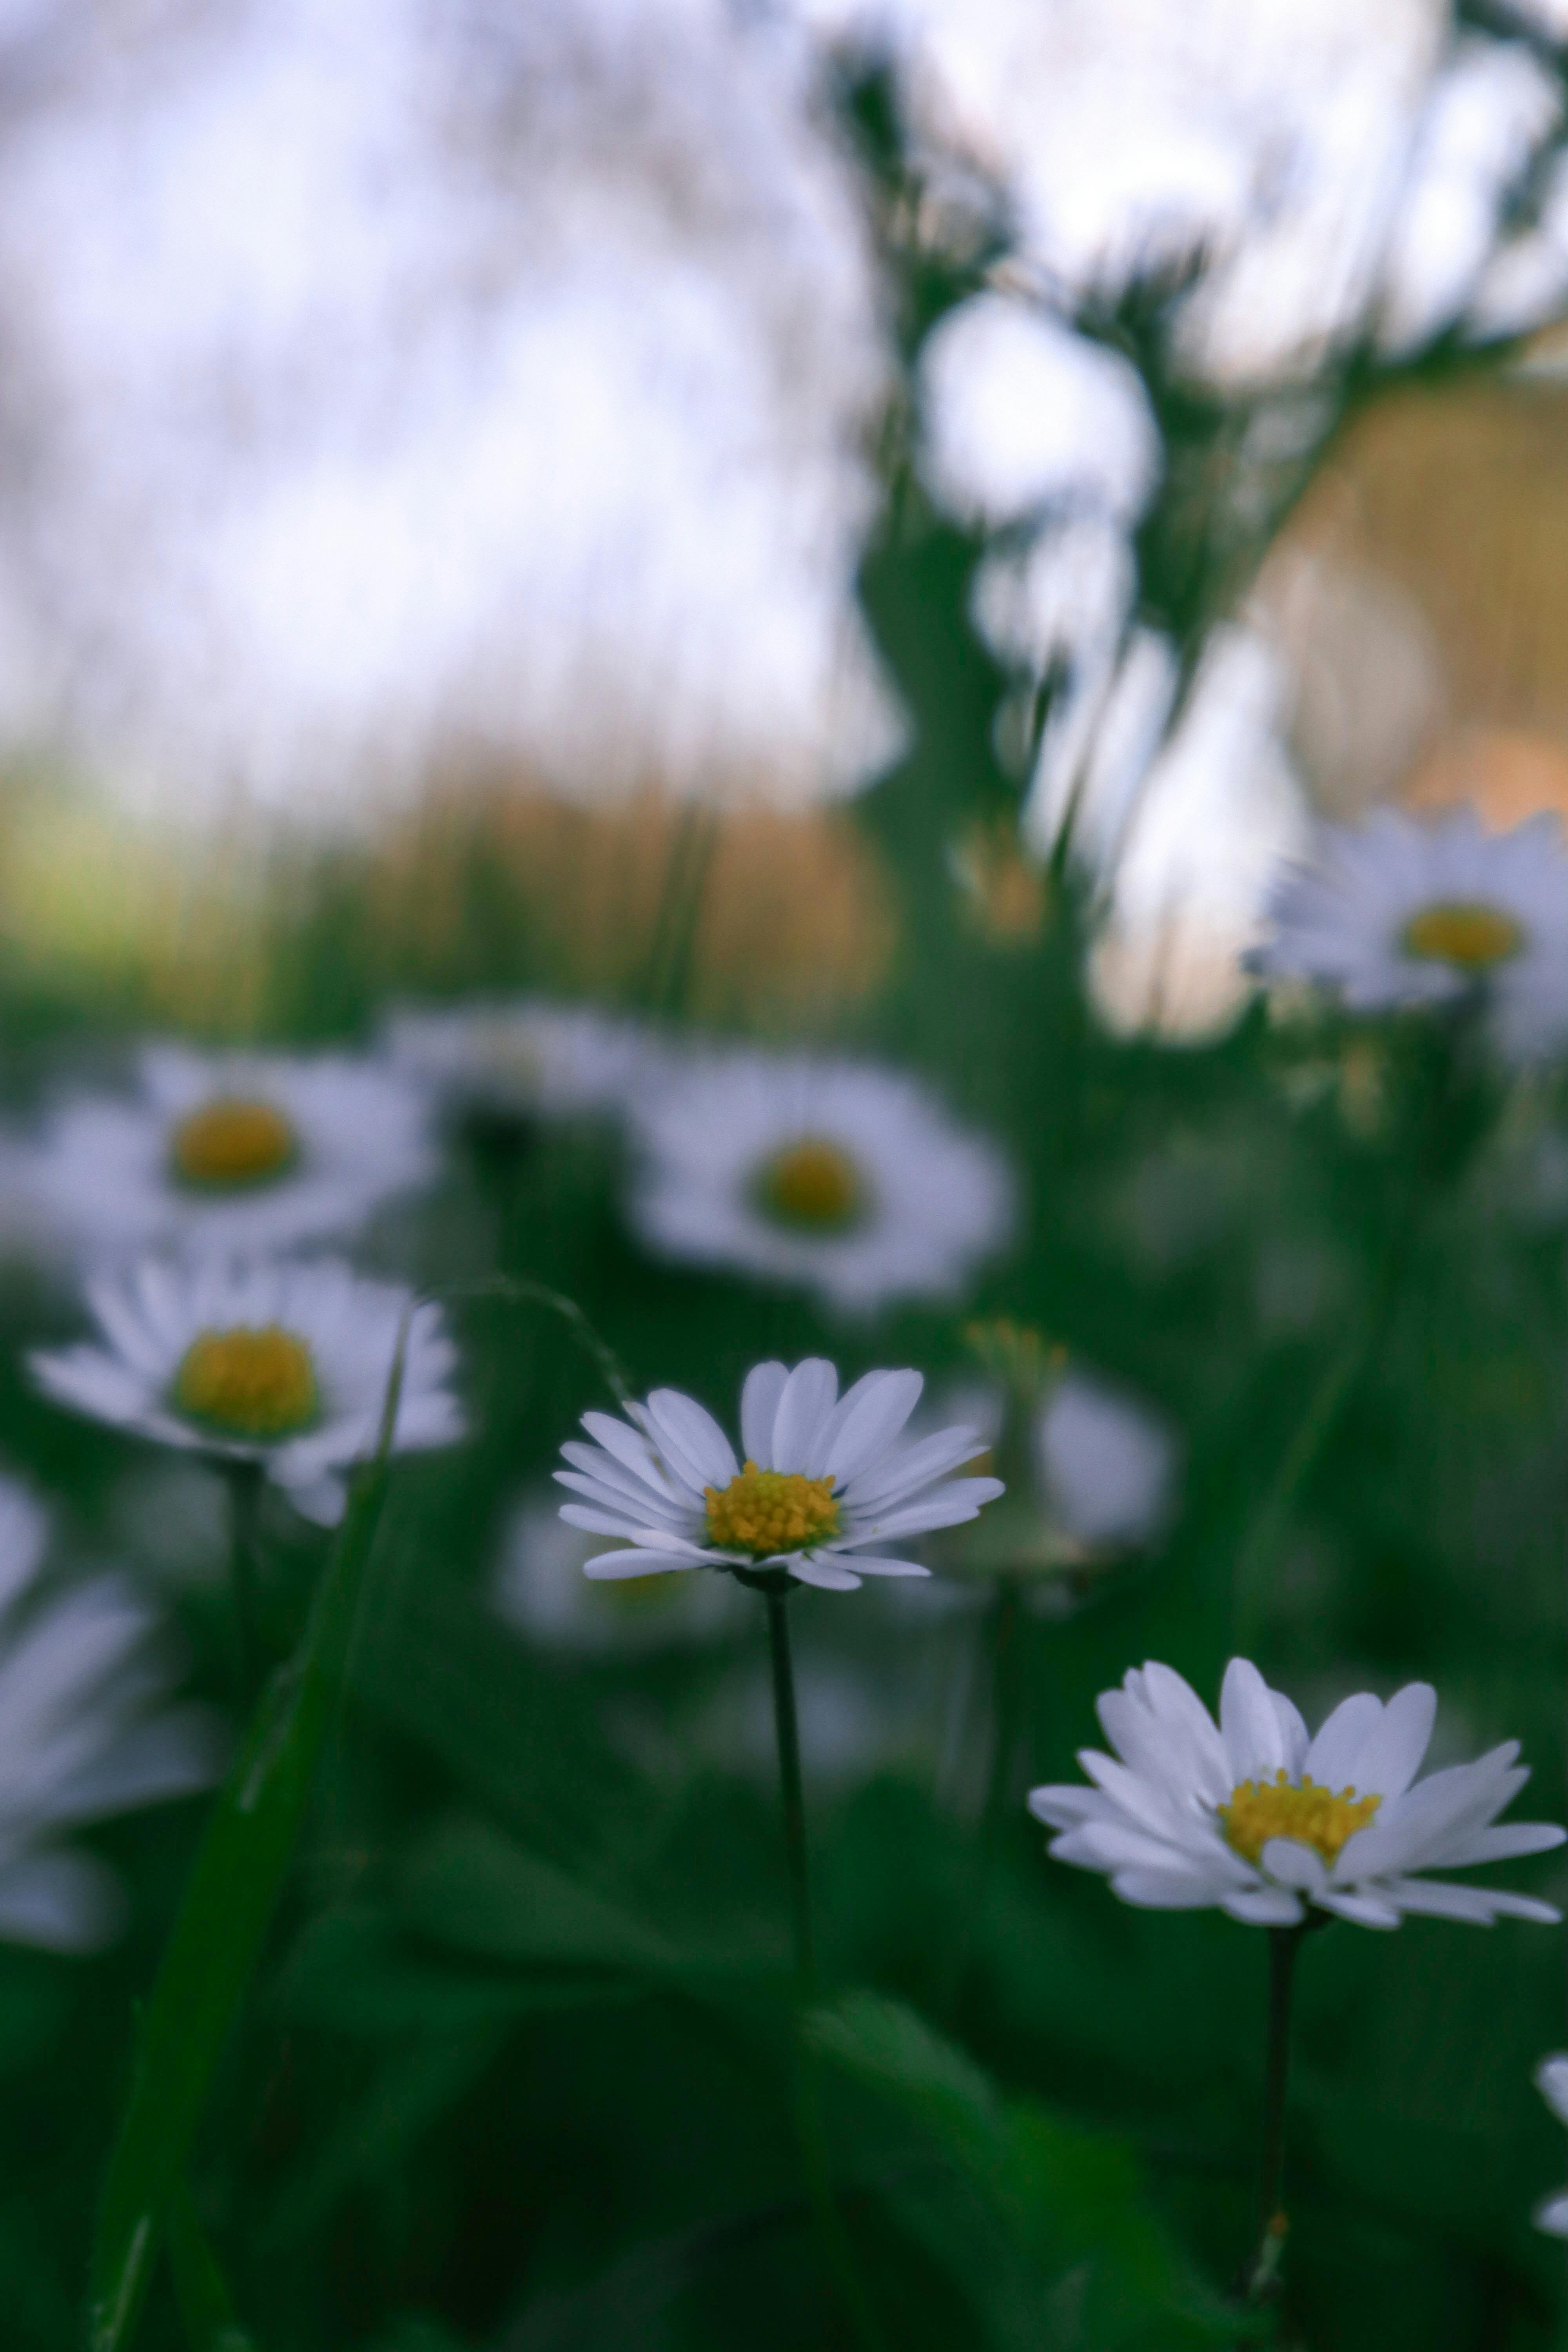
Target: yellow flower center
x: 247, y: 1382
x: 765, y: 1511
x: 814, y: 1184
x: 1261, y: 1810
x: 1464, y: 931
x: 230, y: 1143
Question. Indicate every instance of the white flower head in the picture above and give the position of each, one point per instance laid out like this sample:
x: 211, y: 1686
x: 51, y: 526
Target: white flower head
x: 83, y: 1734
x: 1263, y: 1820
x: 1401, y: 911
x: 522, y: 1058
x: 826, y: 1481
x: 1551, y: 2082
x: 281, y: 1362
x: 844, y: 1176
x: 233, y: 1151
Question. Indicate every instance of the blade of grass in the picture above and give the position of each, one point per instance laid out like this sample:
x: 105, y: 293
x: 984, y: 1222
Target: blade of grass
x: 228, y: 1902
x: 206, y: 2308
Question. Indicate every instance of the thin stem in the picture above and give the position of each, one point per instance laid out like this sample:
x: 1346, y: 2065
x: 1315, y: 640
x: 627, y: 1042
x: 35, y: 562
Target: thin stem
x: 788, y: 1727
x: 244, y: 1481
x: 1262, y: 2270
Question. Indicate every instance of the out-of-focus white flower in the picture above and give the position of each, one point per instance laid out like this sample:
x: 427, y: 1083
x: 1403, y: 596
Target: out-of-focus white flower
x: 824, y: 1480
x: 1551, y: 2082
x: 231, y: 1152
x: 83, y: 1734
x: 845, y: 1176
x: 540, y: 1590
x: 1525, y: 281
x: 1265, y: 1821
x: 1107, y: 1462
x: 281, y: 1363
x: 1023, y: 415
x: 1403, y: 911
x: 1488, y: 108
x: 524, y: 1059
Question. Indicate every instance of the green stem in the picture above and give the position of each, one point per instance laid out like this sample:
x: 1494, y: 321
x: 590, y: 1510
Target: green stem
x: 788, y: 1729
x: 245, y: 1480
x: 1262, y: 2270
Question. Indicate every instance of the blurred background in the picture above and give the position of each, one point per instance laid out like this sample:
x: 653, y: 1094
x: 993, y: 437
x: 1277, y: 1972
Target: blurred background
x: 875, y: 526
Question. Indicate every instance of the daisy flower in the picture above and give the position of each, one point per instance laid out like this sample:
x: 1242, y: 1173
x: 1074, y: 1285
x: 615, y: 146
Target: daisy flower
x: 233, y: 1151
x: 1551, y: 2082
x: 826, y: 1481
x: 81, y: 1734
x: 1404, y: 911
x: 285, y: 1364
x: 1268, y: 1822
x: 522, y: 1060
x: 842, y: 1176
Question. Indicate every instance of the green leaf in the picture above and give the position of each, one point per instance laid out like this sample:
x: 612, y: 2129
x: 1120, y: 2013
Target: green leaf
x: 218, y: 1936
x: 358, y: 1971
x: 206, y: 2309
x: 1071, y: 2200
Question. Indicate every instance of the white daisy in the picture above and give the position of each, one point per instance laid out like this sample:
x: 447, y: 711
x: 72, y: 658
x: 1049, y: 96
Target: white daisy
x: 522, y: 1059
x: 81, y: 1734
x: 841, y: 1175
x: 1404, y: 911
x: 542, y: 1592
x: 1551, y: 2082
x: 232, y: 1151
x: 824, y: 1479
x: 282, y: 1363
x: 1266, y: 1821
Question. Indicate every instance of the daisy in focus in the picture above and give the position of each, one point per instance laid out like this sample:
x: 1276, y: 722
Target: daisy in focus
x: 1551, y: 2082
x: 1401, y: 911
x: 847, y: 1178
x: 82, y: 1734
x: 517, y: 1062
x: 1256, y: 1816
x: 232, y: 1151
x: 285, y: 1364
x: 824, y: 1482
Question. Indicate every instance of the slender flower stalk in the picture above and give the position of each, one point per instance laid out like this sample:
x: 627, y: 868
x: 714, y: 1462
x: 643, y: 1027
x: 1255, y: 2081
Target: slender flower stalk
x: 1261, y: 2273
x: 787, y: 1728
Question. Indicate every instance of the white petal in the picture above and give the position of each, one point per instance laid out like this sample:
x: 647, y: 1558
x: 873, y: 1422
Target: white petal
x: 759, y: 1409
x: 805, y: 1402
x: 1552, y: 2214
x: 865, y: 1434
x: 1292, y: 1731
x: 630, y: 1448
x: 1266, y: 1906
x: 607, y: 1565
x: 1364, y: 1910
x: 1165, y: 1890
x: 1551, y: 2082
x: 910, y: 1467
x: 1254, y: 1744
x: 63, y: 1902
x: 1507, y: 1839
x: 1341, y: 1739
x: 864, y: 1566
x: 945, y: 1507
x: 690, y: 1440
x: 1290, y: 1863
x: 827, y: 1575
x: 1390, y: 1757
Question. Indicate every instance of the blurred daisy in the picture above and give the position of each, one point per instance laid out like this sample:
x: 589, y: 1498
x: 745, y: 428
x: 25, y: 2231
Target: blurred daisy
x: 826, y: 1481
x: 542, y: 1592
x: 233, y: 1151
x: 284, y: 1364
x: 517, y: 1062
x: 1267, y: 1822
x: 1403, y: 911
x: 1551, y: 2082
x: 1107, y: 1463
x: 81, y: 1734
x: 845, y: 1177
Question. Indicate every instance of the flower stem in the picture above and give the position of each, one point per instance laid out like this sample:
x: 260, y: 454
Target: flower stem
x: 787, y: 1728
x: 245, y: 1480
x: 1259, y: 2278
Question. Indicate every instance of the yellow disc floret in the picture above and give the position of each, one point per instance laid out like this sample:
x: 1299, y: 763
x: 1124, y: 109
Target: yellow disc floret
x: 763, y: 1511
x: 230, y: 1143
x: 252, y: 1382
x: 1465, y: 932
x: 1261, y: 1810
x: 814, y: 1184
